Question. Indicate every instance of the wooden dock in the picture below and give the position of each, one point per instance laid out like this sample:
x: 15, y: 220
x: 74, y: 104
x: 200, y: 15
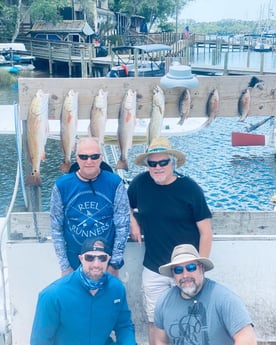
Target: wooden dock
x: 82, y: 57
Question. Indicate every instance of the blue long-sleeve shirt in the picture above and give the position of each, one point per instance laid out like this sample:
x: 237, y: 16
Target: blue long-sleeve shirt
x: 67, y: 314
x: 81, y: 210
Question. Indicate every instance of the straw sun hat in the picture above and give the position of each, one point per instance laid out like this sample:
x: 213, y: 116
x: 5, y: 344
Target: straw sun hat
x: 182, y: 254
x: 160, y: 145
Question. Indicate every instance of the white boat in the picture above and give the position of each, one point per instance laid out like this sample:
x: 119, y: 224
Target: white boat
x: 13, y: 58
x: 262, y: 47
x: 146, y: 60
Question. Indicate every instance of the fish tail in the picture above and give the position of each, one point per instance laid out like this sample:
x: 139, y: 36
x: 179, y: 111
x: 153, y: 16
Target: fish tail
x: 122, y: 164
x: 65, y: 166
x: 181, y: 121
x: 34, y: 179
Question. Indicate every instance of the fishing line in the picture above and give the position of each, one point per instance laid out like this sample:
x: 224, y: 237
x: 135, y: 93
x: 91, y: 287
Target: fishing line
x: 18, y: 137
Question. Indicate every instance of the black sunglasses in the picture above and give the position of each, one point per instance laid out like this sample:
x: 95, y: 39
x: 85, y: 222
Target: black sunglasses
x: 94, y: 156
x: 162, y: 163
x: 189, y: 268
x: 91, y: 258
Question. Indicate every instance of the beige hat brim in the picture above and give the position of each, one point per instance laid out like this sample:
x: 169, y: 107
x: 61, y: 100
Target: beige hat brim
x: 166, y: 270
x: 180, y: 157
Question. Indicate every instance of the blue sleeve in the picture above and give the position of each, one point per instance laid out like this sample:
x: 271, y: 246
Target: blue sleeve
x: 121, y: 222
x: 46, y: 321
x: 124, y: 328
x: 57, y: 231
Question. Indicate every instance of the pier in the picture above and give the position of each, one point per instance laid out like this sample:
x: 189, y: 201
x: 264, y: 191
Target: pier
x: 82, y: 58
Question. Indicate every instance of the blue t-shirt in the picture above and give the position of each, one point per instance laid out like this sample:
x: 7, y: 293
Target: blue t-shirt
x: 212, y: 317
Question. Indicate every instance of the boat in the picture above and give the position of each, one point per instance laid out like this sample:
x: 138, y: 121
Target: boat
x: 262, y: 47
x: 252, y: 139
x: 146, y: 60
x: 14, y: 58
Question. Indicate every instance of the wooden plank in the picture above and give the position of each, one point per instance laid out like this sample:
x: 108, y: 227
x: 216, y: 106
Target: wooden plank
x: 263, y: 102
x: 24, y: 225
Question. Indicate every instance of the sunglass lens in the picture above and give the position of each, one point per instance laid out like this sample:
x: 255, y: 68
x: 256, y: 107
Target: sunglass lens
x: 191, y: 267
x: 178, y: 269
x: 164, y: 162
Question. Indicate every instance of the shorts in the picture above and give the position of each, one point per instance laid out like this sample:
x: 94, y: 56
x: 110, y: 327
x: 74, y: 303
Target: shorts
x: 153, y: 286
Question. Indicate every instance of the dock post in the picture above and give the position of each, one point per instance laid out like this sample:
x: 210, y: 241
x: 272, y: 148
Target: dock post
x: 262, y: 63
x: 50, y: 59
x: 225, y: 68
x: 83, y: 64
x: 248, y: 58
x: 70, y: 60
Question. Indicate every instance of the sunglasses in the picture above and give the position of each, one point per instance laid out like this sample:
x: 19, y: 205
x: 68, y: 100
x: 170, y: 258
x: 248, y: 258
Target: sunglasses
x: 94, y: 157
x: 91, y: 258
x: 189, y: 268
x: 162, y: 163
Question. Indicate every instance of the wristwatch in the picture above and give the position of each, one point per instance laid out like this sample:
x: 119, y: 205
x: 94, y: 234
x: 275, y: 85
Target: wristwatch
x: 117, y: 265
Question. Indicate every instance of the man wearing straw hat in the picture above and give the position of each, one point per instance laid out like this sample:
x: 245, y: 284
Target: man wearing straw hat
x: 199, y: 310
x: 168, y: 209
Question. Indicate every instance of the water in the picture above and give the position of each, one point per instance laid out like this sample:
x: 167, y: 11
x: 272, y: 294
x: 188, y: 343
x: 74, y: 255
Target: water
x: 233, y: 178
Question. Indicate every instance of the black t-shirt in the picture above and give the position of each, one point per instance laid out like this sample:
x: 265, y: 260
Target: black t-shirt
x: 167, y: 215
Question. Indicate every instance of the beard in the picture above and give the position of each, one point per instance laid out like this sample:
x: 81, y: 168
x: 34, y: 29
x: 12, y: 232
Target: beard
x: 188, y: 287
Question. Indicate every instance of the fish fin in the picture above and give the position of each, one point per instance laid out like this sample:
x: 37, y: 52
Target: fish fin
x: 34, y: 179
x: 128, y: 117
x: 122, y: 164
x: 43, y: 156
x: 65, y: 166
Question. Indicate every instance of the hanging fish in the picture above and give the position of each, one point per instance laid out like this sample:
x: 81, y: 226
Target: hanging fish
x: 157, y: 114
x: 256, y: 83
x: 37, y: 134
x: 244, y: 104
x: 68, y: 128
x: 212, y: 106
x: 98, y: 116
x: 126, y: 125
x: 184, y: 105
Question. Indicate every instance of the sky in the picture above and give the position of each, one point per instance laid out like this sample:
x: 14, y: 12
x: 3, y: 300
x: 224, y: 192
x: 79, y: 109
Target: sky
x: 214, y: 10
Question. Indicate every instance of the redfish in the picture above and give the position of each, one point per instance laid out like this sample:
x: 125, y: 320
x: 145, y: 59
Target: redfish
x: 157, y: 114
x: 98, y: 116
x: 68, y: 127
x: 37, y: 134
x: 126, y: 125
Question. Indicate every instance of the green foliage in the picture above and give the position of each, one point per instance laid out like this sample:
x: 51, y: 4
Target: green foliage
x: 7, y: 21
x: 6, y: 79
x: 224, y: 27
x: 47, y: 10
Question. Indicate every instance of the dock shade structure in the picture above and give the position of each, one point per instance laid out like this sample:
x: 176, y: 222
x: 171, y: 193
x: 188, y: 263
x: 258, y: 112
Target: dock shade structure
x: 78, y: 31
x: 179, y: 76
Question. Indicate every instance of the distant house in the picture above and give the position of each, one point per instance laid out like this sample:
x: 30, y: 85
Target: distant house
x: 78, y: 31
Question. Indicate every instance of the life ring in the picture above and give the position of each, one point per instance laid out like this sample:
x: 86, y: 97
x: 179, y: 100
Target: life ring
x: 124, y: 67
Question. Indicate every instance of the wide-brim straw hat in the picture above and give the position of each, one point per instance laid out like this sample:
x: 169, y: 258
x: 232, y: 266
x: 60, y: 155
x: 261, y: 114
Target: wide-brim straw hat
x: 179, y: 76
x: 183, y: 254
x: 160, y: 145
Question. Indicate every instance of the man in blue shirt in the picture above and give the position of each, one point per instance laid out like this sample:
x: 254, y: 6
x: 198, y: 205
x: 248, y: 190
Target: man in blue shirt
x: 85, y: 306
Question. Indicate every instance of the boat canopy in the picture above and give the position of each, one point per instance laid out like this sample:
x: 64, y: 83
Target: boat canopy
x: 4, y: 47
x: 147, y: 48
